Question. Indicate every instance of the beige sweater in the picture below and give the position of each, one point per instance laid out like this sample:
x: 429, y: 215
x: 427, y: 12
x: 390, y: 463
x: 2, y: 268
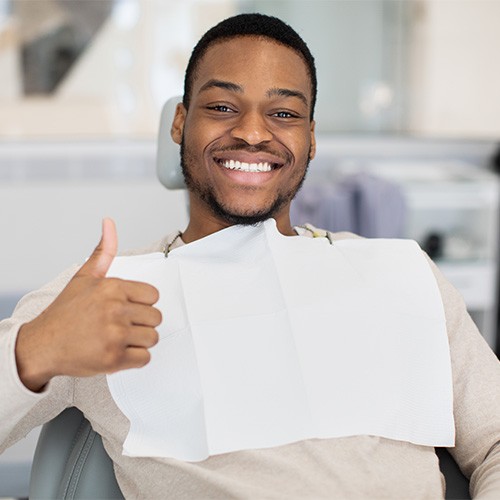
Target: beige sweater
x: 351, y: 467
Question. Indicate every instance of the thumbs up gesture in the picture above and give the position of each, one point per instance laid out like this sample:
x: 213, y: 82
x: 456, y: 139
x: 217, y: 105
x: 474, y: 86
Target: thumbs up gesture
x: 96, y: 324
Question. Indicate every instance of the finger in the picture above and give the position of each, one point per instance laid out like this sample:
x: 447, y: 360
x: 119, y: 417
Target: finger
x: 142, y: 336
x: 140, y: 293
x: 101, y: 258
x: 134, y: 357
x: 142, y: 315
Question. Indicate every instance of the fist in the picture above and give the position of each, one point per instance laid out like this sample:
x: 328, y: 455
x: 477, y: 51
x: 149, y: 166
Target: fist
x: 96, y: 324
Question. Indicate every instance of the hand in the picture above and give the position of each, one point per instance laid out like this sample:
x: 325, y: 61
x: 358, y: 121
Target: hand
x: 96, y: 324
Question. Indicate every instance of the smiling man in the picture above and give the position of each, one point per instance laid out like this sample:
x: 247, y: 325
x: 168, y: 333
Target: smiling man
x: 246, y: 132
x: 245, y: 127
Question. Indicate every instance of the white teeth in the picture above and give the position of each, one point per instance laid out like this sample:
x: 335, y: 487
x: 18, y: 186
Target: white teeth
x: 247, y: 167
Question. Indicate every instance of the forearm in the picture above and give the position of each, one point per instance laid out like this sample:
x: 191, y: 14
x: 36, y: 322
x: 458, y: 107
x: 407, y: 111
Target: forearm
x: 16, y: 399
x: 485, y: 481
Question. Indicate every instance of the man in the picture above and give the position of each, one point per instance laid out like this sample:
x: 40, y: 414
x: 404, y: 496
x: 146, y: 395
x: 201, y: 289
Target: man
x: 246, y: 131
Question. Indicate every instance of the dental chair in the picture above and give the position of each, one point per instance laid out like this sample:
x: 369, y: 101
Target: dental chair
x: 70, y: 461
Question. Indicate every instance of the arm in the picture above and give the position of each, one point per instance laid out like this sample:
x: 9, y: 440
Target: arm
x: 78, y: 328
x: 476, y: 388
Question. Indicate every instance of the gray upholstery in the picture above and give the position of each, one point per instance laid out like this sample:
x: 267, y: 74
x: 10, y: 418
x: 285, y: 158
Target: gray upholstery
x: 70, y: 461
x: 168, y: 159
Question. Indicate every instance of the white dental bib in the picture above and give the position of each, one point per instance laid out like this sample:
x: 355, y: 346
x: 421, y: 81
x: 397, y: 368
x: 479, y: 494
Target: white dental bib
x: 268, y: 339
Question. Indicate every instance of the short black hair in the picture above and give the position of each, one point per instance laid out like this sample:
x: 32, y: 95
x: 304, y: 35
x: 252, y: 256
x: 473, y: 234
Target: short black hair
x: 258, y: 25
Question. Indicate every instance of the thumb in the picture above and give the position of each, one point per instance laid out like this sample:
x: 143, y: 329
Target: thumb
x: 99, y: 262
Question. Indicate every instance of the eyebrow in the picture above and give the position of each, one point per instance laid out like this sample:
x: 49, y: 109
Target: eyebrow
x: 287, y: 93
x: 221, y: 84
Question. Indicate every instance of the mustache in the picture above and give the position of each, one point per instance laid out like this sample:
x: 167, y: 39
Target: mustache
x: 286, y: 156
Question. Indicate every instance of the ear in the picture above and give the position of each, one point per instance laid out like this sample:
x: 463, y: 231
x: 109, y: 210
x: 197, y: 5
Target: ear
x: 312, y: 151
x: 178, y: 123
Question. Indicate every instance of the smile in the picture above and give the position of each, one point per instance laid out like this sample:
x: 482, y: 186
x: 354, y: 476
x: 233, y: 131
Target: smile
x: 257, y: 166
x: 246, y: 167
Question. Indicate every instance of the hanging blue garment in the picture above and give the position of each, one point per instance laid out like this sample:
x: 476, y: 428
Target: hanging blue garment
x: 362, y: 203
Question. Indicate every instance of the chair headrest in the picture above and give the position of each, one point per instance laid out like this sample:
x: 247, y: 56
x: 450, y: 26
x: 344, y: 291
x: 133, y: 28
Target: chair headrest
x: 168, y: 164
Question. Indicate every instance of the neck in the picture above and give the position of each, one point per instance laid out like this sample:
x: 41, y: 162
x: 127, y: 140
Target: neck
x: 201, y: 225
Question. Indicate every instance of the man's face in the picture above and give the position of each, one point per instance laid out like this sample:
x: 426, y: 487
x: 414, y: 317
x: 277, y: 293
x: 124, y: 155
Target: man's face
x: 246, y: 139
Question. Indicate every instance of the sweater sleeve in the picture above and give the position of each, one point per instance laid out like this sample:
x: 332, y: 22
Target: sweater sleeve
x: 21, y: 409
x: 476, y: 393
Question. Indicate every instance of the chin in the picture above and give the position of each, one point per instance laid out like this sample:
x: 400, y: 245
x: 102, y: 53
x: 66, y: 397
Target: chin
x: 245, y: 215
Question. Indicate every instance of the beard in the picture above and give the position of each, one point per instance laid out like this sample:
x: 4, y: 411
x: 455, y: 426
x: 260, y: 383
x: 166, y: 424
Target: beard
x: 247, y: 217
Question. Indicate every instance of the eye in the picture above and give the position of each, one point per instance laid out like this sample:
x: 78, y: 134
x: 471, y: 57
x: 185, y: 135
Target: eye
x: 220, y: 108
x: 284, y: 114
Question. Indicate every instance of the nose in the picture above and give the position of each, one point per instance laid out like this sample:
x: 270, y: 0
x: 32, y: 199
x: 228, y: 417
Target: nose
x: 252, y: 128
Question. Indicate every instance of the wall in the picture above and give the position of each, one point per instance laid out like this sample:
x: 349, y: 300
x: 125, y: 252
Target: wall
x: 455, y: 75
x: 54, y: 195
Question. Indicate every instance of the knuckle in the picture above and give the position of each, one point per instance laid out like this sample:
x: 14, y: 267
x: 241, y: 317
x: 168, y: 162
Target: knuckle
x: 155, y: 338
x: 110, y: 287
x: 115, y: 350
x: 145, y: 358
x: 112, y: 358
x: 155, y: 294
x: 148, y: 293
x: 114, y: 340
x: 158, y: 317
x: 152, y: 338
x: 116, y: 336
x: 114, y: 309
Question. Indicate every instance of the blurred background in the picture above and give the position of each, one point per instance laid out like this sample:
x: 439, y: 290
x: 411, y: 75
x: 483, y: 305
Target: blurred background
x: 408, y: 122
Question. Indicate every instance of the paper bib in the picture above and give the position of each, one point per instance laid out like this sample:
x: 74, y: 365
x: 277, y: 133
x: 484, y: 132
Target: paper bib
x: 268, y: 339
